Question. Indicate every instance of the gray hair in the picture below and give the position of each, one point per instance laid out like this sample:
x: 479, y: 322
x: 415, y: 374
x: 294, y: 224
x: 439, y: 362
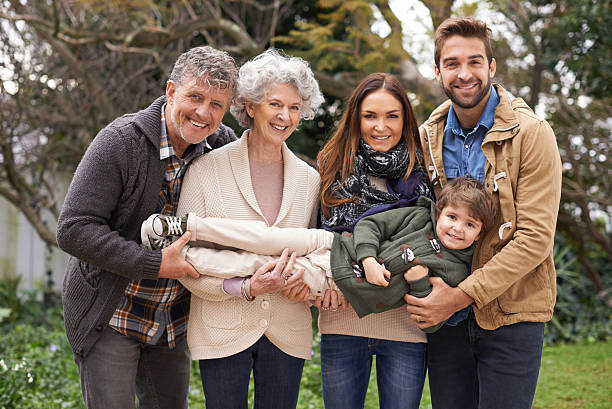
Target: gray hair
x: 259, y: 75
x: 215, y: 67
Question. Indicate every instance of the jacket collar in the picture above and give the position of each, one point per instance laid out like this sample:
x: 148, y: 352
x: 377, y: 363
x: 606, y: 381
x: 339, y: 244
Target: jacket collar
x: 149, y: 121
x: 505, y: 117
x: 505, y: 126
x: 239, y: 162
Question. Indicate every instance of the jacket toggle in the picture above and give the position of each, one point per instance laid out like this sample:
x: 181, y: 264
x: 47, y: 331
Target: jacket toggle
x: 500, y: 232
x: 498, y: 176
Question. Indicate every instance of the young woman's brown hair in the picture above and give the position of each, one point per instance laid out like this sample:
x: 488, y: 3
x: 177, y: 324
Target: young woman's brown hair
x: 338, y: 154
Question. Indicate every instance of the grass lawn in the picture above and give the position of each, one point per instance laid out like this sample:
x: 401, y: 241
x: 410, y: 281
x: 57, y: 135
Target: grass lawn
x: 575, y: 376
x: 572, y: 377
x: 37, y: 371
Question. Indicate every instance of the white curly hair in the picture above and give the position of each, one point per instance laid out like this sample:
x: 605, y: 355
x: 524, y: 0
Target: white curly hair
x: 257, y: 76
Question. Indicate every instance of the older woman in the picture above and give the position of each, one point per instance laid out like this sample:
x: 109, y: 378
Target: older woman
x: 371, y: 164
x: 239, y: 325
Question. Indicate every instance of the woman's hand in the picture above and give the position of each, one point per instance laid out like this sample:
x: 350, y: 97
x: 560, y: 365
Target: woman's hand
x: 332, y: 300
x: 277, y: 275
x: 299, y: 292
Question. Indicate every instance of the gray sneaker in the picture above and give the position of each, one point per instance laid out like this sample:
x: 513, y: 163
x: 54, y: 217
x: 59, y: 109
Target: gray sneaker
x: 160, y: 230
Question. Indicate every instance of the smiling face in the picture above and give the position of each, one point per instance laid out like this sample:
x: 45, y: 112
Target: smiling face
x: 194, y: 111
x: 464, y: 71
x: 276, y: 117
x: 456, y: 228
x: 381, y: 120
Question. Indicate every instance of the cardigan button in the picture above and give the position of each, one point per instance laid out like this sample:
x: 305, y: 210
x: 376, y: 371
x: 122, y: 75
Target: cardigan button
x: 265, y: 304
x: 263, y: 323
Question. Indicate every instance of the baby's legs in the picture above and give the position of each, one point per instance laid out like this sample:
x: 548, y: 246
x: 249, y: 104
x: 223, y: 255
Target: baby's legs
x: 257, y: 237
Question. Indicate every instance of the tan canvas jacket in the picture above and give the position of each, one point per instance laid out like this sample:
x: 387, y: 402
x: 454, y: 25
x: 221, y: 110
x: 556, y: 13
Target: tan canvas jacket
x: 513, y: 274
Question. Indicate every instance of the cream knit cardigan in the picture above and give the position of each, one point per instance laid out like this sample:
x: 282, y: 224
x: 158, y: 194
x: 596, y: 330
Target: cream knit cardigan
x: 218, y: 184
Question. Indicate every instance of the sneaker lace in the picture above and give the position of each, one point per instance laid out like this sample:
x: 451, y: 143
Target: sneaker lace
x: 174, y: 226
x: 160, y: 243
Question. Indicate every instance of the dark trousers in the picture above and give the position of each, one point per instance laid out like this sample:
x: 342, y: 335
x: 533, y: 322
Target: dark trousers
x: 473, y: 368
x: 118, y: 368
x: 276, y: 376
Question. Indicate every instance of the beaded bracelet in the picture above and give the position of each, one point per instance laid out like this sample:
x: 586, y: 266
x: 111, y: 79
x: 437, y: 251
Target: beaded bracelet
x: 243, y: 289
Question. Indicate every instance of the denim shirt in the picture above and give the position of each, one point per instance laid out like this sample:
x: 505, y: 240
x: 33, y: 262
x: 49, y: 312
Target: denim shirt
x: 462, y: 156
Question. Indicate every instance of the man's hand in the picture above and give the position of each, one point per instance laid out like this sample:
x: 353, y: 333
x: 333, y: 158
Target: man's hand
x: 173, y: 264
x: 438, y: 306
x: 333, y: 300
x: 375, y: 273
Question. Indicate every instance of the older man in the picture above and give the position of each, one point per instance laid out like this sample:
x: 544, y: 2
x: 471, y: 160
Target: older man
x: 125, y: 312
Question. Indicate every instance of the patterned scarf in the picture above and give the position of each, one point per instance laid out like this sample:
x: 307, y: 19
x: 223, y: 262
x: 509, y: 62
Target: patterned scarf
x: 389, y: 165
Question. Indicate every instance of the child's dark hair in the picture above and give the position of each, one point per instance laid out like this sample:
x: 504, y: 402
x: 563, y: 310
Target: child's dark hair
x: 471, y: 193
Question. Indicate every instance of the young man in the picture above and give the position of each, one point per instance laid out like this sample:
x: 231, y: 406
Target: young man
x: 492, y: 358
x: 125, y: 312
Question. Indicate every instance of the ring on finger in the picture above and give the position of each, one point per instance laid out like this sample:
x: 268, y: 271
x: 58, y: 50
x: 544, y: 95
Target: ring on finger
x: 284, y: 277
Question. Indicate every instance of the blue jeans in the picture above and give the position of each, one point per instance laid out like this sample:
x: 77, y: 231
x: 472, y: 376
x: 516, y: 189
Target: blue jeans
x: 471, y: 368
x: 276, y: 376
x: 346, y: 362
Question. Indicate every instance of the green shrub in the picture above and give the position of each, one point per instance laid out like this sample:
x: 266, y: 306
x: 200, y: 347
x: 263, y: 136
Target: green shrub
x: 580, y: 313
x: 37, y: 369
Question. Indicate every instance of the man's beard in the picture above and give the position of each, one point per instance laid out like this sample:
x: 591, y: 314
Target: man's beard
x: 475, y: 100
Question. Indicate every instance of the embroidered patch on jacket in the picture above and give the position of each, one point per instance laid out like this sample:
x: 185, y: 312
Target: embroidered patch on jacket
x: 357, y: 269
x: 407, y: 253
x: 434, y: 245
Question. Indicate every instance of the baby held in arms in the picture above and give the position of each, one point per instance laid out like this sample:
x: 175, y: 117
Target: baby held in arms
x: 388, y: 254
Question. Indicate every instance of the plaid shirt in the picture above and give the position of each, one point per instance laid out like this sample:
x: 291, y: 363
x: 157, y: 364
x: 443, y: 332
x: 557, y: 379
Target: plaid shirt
x: 149, y: 306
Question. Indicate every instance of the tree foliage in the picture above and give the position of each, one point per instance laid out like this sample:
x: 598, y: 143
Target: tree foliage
x: 71, y: 66
x: 563, y: 67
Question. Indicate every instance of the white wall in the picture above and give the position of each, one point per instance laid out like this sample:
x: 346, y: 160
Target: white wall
x: 23, y: 253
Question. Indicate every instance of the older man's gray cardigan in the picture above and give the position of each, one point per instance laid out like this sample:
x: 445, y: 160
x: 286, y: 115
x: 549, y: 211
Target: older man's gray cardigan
x: 115, y: 188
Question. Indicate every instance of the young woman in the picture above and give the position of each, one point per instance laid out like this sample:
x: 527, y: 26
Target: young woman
x: 371, y: 164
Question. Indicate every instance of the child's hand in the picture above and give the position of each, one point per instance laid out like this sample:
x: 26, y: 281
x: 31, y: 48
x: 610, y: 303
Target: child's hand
x: 374, y: 272
x: 415, y: 273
